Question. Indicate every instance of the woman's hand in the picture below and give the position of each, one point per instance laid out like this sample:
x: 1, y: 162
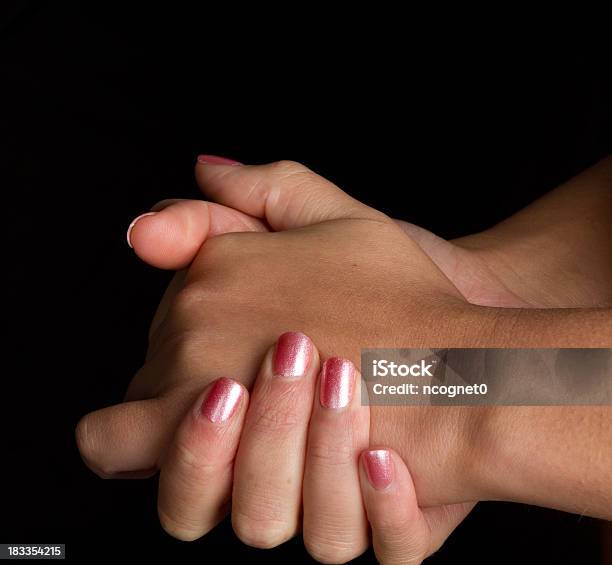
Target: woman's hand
x: 293, y: 454
x: 559, y: 243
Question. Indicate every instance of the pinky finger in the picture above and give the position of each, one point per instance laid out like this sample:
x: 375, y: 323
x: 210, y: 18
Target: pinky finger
x: 401, y: 532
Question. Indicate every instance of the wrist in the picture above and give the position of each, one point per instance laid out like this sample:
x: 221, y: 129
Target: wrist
x: 547, y: 456
x: 488, y: 454
x: 544, y: 257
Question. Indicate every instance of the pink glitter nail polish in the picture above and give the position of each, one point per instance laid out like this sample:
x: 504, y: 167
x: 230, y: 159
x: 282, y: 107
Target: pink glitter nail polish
x: 337, y: 381
x: 216, y: 160
x: 379, y: 468
x: 222, y: 400
x: 292, y: 355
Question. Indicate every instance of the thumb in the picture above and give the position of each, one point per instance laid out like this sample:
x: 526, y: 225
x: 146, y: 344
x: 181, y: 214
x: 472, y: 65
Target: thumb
x: 171, y: 234
x: 286, y: 194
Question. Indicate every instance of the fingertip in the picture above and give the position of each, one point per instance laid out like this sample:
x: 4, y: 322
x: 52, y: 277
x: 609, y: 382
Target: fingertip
x: 122, y: 441
x: 133, y: 223
x: 170, y: 238
x: 399, y: 530
x: 214, y: 423
x: 379, y: 468
x: 221, y: 400
x: 387, y: 484
x: 294, y: 355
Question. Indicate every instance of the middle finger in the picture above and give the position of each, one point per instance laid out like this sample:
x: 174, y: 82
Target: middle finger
x: 267, y: 494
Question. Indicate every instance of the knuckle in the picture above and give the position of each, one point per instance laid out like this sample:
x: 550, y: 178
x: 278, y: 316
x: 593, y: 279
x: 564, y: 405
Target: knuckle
x: 276, y: 419
x: 289, y: 168
x: 261, y: 526
x: 261, y: 536
x: 188, y: 300
x: 181, y: 353
x: 401, y: 548
x: 398, y: 542
x: 330, y: 549
x: 322, y: 453
x: 196, y: 467
x: 291, y: 176
x: 179, y: 527
x: 400, y: 558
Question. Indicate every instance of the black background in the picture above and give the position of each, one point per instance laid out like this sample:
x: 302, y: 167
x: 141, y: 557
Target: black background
x: 103, y: 113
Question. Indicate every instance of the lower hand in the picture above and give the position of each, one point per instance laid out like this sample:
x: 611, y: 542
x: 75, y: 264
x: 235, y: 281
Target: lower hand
x: 296, y: 454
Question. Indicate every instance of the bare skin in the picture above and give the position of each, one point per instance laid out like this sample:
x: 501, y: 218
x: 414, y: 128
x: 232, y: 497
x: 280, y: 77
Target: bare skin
x: 294, y: 458
x: 339, y: 253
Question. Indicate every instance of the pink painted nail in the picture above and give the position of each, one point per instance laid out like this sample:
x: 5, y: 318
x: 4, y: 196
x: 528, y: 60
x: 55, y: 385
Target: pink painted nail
x: 131, y: 226
x: 337, y: 379
x: 379, y: 468
x: 292, y: 355
x: 216, y: 160
x: 222, y: 400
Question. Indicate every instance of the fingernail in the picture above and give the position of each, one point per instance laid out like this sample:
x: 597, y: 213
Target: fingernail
x: 379, y: 468
x: 292, y: 355
x: 131, y: 226
x: 216, y: 160
x: 337, y: 378
x: 222, y: 400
